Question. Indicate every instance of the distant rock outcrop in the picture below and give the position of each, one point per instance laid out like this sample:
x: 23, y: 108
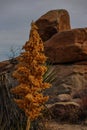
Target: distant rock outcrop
x: 52, y: 22
x: 67, y: 46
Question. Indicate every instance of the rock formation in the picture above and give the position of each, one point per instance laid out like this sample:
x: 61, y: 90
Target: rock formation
x: 66, y: 50
x: 67, y: 46
x: 70, y: 79
x: 52, y: 22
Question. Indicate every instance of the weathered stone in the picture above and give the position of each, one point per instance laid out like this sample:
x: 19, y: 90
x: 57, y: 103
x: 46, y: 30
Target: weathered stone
x: 65, y: 111
x: 52, y: 22
x: 64, y: 97
x: 77, y: 100
x: 82, y: 93
x: 67, y: 46
x: 70, y: 79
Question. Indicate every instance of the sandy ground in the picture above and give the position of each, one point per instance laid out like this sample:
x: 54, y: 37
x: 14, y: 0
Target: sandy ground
x: 51, y: 125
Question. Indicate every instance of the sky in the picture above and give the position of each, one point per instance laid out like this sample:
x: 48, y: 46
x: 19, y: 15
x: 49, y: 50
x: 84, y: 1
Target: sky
x: 16, y: 16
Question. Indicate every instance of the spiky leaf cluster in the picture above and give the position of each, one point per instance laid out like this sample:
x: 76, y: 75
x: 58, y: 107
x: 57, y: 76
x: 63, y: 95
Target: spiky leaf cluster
x: 29, y: 74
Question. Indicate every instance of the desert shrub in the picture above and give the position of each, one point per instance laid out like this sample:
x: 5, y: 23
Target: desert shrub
x: 14, y: 52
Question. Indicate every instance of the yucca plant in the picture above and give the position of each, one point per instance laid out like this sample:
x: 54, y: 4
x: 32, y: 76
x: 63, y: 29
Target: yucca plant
x: 12, y: 117
x: 29, y: 74
x: 50, y: 74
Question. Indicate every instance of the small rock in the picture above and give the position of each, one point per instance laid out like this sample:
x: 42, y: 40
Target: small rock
x: 64, y: 97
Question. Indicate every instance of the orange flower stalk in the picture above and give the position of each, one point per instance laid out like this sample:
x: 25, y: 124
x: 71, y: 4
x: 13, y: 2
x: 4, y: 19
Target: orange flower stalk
x: 29, y: 74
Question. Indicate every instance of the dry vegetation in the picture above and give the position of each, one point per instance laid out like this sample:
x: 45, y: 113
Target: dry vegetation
x: 29, y: 74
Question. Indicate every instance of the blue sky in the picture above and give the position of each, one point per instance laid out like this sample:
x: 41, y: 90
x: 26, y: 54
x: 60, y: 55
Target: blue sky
x: 16, y: 16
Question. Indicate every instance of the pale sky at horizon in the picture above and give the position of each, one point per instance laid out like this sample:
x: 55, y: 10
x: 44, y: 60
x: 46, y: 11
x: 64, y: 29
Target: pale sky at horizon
x: 16, y: 16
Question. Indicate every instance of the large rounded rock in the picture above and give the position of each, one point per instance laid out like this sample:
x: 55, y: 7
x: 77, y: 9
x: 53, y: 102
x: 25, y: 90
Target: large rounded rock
x: 52, y: 22
x: 67, y: 46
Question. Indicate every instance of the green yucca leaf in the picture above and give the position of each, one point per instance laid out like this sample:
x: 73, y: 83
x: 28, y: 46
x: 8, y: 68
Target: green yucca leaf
x: 50, y: 75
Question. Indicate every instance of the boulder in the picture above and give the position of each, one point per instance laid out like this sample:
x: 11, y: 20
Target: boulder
x: 63, y: 111
x: 52, y: 22
x: 67, y: 46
